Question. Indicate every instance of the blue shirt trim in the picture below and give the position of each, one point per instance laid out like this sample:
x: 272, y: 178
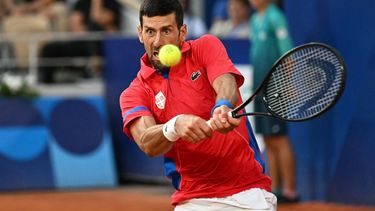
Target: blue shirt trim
x: 254, y: 145
x: 172, y: 173
x: 131, y: 111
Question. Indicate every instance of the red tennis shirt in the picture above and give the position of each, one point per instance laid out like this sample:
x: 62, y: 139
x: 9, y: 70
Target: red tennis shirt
x: 221, y: 166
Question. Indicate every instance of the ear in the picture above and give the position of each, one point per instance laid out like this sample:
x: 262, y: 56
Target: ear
x: 183, y: 33
x: 139, y: 28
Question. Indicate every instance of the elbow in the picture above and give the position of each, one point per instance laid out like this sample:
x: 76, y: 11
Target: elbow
x: 149, y: 152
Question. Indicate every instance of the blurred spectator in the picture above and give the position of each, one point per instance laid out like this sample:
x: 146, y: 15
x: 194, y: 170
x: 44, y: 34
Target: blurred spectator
x: 86, y: 16
x: 270, y: 39
x: 54, y: 11
x: 95, y: 15
x: 196, y: 27
x: 237, y: 26
x: 219, y: 11
x: 34, y: 16
x: 2, y: 14
x: 130, y: 17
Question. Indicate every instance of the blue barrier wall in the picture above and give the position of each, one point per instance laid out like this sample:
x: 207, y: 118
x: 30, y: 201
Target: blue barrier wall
x: 122, y: 64
x: 334, y: 152
x: 57, y: 142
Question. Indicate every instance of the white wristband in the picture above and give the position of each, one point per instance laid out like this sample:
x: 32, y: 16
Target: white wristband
x: 169, y: 130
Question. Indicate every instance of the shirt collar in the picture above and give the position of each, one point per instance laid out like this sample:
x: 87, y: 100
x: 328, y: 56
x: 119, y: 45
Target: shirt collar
x: 146, y: 68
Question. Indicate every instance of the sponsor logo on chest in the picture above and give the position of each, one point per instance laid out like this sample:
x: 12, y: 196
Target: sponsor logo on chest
x: 160, y: 100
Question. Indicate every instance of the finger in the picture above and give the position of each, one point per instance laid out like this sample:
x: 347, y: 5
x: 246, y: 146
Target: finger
x: 224, y: 116
x: 192, y: 137
x: 207, y: 130
x: 202, y: 132
x: 217, y: 122
x: 227, y: 125
x: 234, y: 121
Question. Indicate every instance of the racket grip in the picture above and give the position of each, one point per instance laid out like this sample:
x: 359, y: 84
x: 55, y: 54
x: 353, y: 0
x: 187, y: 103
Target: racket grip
x: 209, y: 121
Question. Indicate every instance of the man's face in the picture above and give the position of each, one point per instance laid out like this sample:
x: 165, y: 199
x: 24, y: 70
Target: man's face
x: 238, y: 11
x: 259, y: 4
x: 158, y: 31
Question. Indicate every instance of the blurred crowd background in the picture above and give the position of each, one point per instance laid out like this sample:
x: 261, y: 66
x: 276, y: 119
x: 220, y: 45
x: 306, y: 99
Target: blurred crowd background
x: 59, y: 41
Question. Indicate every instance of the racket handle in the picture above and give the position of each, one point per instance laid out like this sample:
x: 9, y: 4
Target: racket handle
x: 209, y: 121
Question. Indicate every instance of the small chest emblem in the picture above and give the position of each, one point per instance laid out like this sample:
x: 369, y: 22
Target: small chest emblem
x: 195, y: 75
x: 160, y: 100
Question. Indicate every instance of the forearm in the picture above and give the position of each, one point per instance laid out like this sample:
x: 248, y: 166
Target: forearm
x: 153, y: 142
x: 149, y: 136
x: 226, y: 88
x: 227, y: 96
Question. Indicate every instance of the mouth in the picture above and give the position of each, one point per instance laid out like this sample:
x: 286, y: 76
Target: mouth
x: 155, y: 54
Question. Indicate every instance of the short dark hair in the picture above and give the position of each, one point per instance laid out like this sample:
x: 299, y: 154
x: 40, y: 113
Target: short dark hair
x: 151, y: 8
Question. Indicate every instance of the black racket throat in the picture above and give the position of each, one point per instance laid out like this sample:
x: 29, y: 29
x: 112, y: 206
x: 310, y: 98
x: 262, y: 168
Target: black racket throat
x: 236, y: 112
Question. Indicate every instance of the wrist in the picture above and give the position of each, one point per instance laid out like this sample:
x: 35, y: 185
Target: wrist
x: 169, y: 130
x: 221, y: 103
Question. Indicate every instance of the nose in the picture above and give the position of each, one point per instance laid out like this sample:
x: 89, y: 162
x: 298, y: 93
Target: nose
x: 158, y: 41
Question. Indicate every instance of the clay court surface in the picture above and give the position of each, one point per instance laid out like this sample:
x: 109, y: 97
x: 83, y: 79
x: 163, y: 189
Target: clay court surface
x: 128, y: 198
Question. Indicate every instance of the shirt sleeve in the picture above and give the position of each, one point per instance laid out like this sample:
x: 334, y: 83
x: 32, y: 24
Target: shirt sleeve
x: 213, y: 56
x: 134, y: 103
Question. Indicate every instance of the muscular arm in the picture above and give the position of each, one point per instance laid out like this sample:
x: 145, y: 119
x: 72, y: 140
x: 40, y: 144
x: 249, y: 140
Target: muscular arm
x: 149, y: 136
x: 226, y: 88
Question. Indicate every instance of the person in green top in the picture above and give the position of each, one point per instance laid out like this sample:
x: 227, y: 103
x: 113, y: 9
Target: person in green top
x: 269, y: 41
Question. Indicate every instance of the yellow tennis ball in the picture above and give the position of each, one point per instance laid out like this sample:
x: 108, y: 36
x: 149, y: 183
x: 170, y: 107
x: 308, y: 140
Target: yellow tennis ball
x: 169, y: 55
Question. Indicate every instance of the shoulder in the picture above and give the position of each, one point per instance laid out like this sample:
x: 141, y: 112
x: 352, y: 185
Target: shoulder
x: 206, y: 41
x: 206, y: 47
x: 275, y: 14
x: 134, y: 88
x: 208, y: 37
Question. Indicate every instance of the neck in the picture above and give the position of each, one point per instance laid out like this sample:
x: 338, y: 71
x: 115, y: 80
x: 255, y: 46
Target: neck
x: 262, y: 8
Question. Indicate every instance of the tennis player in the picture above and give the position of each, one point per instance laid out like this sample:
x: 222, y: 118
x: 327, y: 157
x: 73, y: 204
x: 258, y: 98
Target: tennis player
x: 215, y: 166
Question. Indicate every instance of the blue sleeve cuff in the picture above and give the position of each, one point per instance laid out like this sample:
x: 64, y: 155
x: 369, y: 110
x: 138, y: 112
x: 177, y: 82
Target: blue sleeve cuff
x: 220, y: 103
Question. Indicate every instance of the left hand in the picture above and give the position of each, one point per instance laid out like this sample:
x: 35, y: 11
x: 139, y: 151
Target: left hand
x: 221, y: 121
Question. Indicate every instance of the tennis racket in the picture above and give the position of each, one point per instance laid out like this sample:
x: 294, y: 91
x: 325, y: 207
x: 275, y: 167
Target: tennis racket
x: 304, y: 83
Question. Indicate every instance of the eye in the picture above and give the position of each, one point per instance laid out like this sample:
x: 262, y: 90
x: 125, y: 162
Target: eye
x: 167, y: 31
x: 149, y: 32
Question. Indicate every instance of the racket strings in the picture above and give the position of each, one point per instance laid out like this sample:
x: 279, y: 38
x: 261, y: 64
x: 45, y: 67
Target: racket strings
x: 314, y: 88
x: 304, y: 83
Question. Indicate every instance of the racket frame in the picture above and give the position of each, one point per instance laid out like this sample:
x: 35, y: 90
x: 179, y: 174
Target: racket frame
x: 261, y: 88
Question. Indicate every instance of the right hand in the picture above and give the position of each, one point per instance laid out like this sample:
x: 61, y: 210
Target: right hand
x: 192, y: 128
x: 222, y: 120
